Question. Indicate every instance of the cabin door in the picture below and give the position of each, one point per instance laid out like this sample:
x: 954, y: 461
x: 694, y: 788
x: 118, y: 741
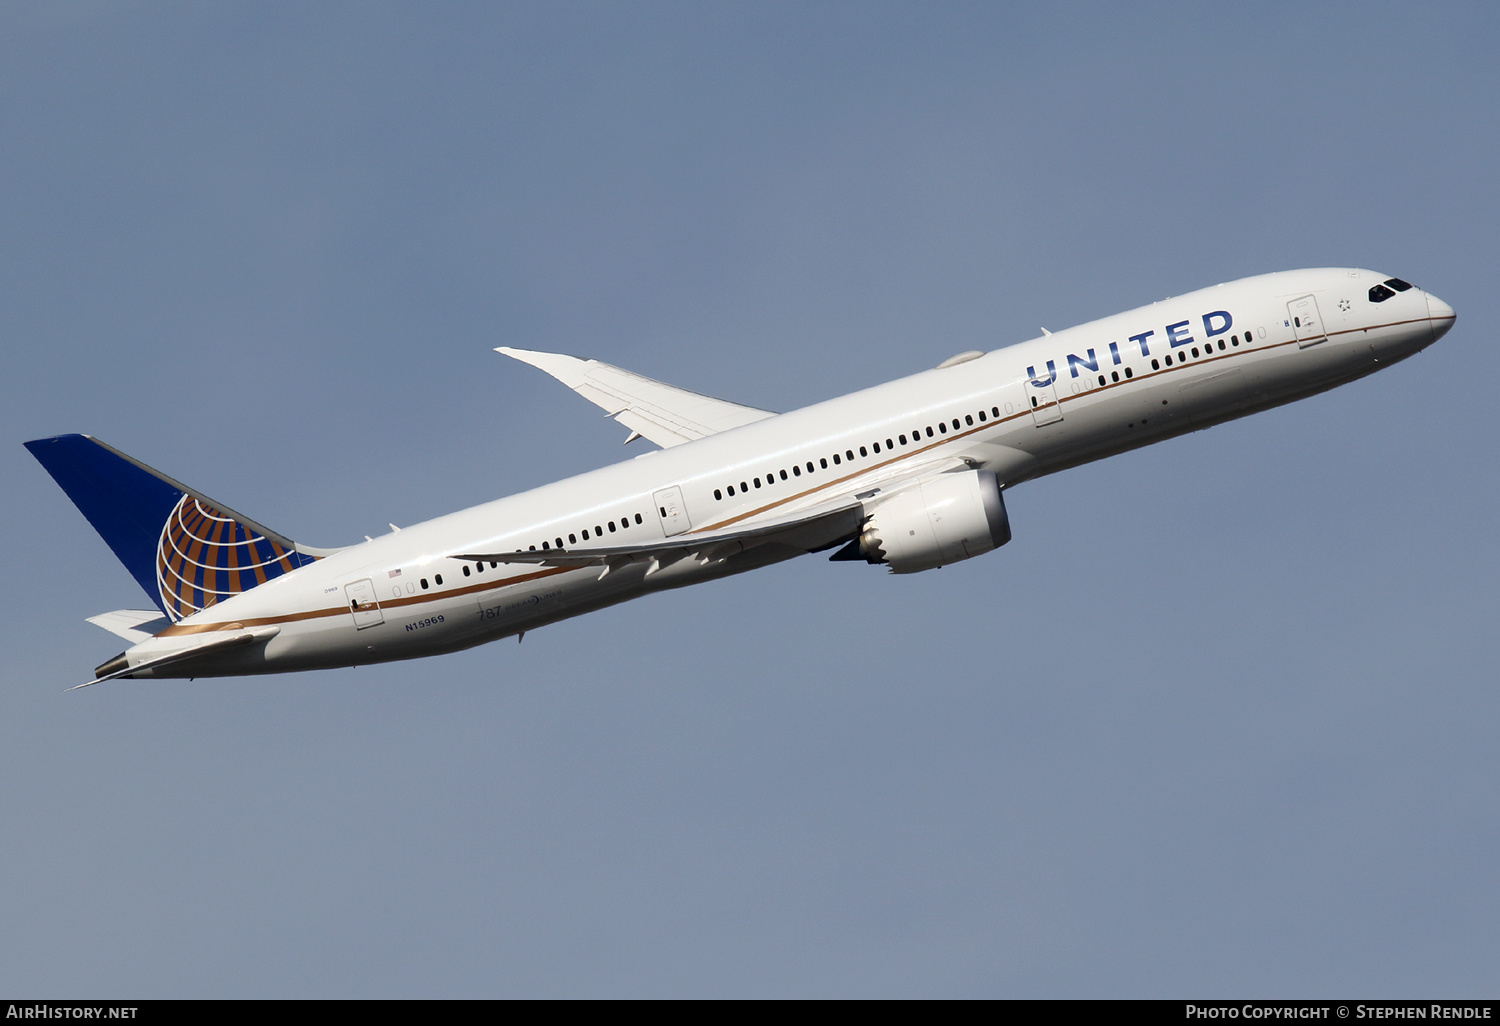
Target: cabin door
x: 1306, y: 321
x: 1045, y: 409
x: 363, y: 604
x: 673, y: 513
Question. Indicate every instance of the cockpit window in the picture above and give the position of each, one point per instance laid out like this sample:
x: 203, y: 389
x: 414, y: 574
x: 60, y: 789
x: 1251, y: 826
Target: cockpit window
x: 1379, y: 294
x: 1398, y: 284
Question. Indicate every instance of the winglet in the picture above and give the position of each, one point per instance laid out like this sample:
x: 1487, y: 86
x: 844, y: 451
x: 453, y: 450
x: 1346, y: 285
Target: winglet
x: 570, y: 370
x: 665, y: 414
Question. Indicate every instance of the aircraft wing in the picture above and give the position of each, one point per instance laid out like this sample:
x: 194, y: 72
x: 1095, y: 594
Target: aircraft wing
x: 812, y: 527
x: 651, y: 409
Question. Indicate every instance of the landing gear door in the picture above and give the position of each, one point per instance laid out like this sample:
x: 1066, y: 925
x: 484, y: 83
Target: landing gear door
x: 363, y: 604
x: 674, y: 518
x: 1306, y: 321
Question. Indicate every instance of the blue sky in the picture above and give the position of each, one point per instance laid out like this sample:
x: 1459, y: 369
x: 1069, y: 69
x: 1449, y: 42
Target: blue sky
x: 1220, y: 720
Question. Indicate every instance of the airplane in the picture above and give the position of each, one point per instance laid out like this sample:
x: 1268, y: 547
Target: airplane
x: 911, y: 475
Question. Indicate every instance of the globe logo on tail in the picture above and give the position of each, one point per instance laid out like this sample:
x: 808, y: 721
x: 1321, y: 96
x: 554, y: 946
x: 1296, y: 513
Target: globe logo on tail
x: 205, y: 557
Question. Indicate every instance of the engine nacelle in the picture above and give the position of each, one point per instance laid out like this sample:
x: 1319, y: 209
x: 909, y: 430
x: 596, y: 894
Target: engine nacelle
x: 941, y: 521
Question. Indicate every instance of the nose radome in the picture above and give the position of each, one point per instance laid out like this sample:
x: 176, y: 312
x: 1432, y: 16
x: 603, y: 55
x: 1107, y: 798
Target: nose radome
x: 1440, y: 314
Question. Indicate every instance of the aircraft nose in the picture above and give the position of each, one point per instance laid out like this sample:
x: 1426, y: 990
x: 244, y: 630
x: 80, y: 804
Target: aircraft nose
x: 1440, y: 315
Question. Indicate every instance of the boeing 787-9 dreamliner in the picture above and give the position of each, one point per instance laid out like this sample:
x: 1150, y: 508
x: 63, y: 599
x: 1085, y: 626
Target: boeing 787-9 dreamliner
x: 911, y: 474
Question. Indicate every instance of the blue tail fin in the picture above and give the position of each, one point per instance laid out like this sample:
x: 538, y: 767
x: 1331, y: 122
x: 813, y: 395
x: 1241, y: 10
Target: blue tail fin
x: 186, y: 550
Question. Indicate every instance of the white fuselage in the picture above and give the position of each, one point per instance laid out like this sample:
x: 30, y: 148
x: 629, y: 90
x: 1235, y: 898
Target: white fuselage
x: 1111, y: 390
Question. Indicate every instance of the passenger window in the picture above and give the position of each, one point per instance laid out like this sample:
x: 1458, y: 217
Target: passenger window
x: 424, y: 580
x: 929, y: 430
x: 1129, y: 373
x: 598, y: 531
x: 836, y: 459
x: 559, y: 542
x: 1155, y: 365
x: 888, y: 445
x: 718, y: 495
x: 956, y: 424
x: 823, y: 462
x: 572, y: 539
x: 638, y: 518
x: 796, y: 471
x: 969, y: 419
x: 757, y: 482
x: 545, y: 548
x: 995, y: 412
x: 1101, y: 379
x: 849, y: 454
x: 744, y: 487
x: 783, y: 475
x: 942, y: 427
x: 903, y: 439
x: 862, y: 451
x: 810, y: 467
x: 875, y: 447
x: 466, y: 570
x: 731, y: 489
x: 611, y: 527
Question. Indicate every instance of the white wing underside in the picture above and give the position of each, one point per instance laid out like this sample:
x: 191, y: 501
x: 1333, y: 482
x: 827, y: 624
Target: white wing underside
x: 812, y: 528
x: 813, y: 524
x: 662, y: 413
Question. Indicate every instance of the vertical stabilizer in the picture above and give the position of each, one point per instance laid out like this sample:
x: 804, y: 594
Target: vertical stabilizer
x: 187, y: 551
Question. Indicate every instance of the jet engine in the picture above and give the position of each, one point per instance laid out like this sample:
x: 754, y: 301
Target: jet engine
x: 941, y: 521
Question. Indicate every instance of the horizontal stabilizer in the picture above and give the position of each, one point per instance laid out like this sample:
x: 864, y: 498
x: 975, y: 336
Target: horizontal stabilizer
x: 134, y: 625
x: 665, y: 414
